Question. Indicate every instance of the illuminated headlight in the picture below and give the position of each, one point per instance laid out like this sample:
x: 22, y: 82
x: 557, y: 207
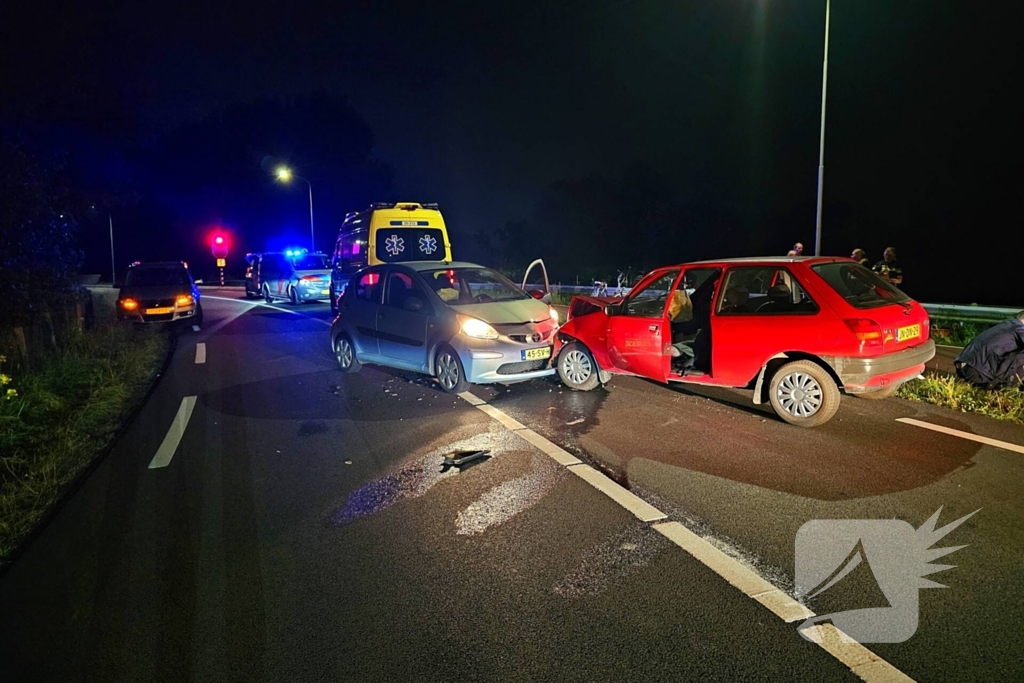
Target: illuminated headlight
x: 554, y: 314
x: 185, y: 300
x: 477, y: 329
x: 129, y: 304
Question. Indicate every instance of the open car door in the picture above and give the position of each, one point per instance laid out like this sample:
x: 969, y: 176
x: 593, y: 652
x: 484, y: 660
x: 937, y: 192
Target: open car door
x: 534, y: 289
x: 639, y: 335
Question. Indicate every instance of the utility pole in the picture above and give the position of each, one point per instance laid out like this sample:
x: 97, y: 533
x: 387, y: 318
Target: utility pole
x: 821, y: 144
x: 113, y: 272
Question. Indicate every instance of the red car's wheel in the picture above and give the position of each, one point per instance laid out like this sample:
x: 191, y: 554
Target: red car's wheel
x: 577, y: 368
x: 804, y: 394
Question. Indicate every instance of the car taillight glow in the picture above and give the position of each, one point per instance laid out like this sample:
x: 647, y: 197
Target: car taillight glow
x: 129, y: 304
x: 183, y: 300
x: 867, y: 332
x: 311, y: 278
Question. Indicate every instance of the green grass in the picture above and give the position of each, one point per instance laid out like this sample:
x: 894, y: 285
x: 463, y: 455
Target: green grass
x: 64, y: 415
x: 948, y: 391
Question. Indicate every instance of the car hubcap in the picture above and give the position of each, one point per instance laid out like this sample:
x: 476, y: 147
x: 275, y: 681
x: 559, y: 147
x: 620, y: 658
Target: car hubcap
x: 576, y: 367
x: 344, y: 352
x: 447, y: 371
x: 799, y: 394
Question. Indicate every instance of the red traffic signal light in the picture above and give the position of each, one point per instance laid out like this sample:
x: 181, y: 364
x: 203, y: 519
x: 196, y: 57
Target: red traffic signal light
x: 219, y: 246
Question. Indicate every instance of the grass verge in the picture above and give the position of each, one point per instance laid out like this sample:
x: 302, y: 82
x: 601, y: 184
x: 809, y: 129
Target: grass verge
x: 949, y: 391
x: 64, y: 415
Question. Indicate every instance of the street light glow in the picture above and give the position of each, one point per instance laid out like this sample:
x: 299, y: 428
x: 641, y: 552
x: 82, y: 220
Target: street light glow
x: 284, y: 174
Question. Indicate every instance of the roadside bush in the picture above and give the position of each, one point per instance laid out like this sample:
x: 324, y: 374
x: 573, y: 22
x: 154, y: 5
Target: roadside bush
x: 63, y: 415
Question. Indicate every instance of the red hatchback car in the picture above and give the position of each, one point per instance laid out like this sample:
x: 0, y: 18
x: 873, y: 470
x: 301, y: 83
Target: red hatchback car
x: 796, y: 330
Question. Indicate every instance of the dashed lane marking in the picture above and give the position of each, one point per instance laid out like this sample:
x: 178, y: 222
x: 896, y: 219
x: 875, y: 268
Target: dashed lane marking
x: 859, y: 659
x: 200, y: 353
x: 1016, y: 448
x: 173, y: 438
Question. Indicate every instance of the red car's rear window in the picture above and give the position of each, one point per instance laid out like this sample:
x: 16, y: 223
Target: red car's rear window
x: 859, y: 286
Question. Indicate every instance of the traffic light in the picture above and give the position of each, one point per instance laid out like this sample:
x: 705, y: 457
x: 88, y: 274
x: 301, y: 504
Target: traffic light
x: 219, y: 246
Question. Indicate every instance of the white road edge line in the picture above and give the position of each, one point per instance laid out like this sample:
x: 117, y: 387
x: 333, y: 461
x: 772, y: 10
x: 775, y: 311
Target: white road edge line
x: 1016, y: 448
x: 177, y: 430
x: 860, y: 660
x: 200, y: 353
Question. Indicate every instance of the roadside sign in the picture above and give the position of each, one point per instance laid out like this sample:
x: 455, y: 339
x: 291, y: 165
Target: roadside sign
x: 221, y: 262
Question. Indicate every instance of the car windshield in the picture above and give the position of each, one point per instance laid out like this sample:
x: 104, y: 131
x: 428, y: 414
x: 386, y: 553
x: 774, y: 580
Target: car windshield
x: 461, y: 286
x: 152, y: 277
x: 859, y: 286
x: 311, y: 262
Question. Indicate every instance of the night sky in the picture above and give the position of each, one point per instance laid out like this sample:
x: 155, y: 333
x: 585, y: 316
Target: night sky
x: 482, y: 106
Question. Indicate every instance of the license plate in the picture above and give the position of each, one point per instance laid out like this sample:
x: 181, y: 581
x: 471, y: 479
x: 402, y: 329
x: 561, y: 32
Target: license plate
x: 159, y: 311
x: 537, y: 354
x: 908, y: 332
x: 326, y: 292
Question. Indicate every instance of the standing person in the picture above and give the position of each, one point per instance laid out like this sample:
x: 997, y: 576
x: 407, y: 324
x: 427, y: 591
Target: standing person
x: 888, y: 268
x: 799, y: 249
x: 994, y: 358
x: 861, y: 257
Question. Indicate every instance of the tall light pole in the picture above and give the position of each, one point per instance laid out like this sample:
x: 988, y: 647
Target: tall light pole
x: 113, y: 269
x: 284, y: 174
x: 821, y: 143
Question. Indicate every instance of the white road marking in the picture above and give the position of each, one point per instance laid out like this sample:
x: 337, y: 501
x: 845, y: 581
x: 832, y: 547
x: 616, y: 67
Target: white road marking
x: 640, y: 508
x: 861, y: 661
x: 560, y: 455
x: 200, y: 353
x: 195, y: 328
x: 752, y: 584
x: 501, y: 417
x: 266, y: 305
x: 1016, y: 448
x: 170, y: 443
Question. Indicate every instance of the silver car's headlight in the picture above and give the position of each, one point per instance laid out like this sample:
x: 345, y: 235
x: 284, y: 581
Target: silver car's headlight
x: 476, y: 328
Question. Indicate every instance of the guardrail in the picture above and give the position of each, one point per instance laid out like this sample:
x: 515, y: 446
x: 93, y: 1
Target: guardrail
x: 979, y: 314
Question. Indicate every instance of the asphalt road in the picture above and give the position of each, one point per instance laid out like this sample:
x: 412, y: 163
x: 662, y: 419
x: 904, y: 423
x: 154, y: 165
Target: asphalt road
x: 305, y: 529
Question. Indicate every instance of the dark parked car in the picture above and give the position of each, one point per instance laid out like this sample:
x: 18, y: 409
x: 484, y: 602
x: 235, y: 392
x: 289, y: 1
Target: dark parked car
x: 159, y: 293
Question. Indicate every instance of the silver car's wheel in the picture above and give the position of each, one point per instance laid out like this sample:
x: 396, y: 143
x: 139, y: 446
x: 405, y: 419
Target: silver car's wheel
x: 804, y: 394
x: 450, y: 374
x: 577, y: 368
x: 345, y: 354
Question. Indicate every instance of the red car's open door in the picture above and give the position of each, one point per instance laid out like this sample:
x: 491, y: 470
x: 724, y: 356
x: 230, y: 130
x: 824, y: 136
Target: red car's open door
x: 639, y: 336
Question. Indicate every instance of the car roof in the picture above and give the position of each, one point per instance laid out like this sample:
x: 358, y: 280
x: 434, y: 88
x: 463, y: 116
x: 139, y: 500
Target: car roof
x: 768, y: 259
x: 420, y: 266
x: 159, y: 264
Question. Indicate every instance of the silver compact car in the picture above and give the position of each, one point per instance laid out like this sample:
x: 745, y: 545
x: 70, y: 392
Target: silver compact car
x: 296, y: 277
x: 459, y: 322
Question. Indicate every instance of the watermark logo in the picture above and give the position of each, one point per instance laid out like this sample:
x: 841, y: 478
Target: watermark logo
x: 889, y: 552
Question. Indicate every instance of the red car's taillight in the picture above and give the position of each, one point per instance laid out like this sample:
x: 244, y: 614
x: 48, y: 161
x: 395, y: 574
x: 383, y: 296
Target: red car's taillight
x: 867, y: 332
x: 310, y: 278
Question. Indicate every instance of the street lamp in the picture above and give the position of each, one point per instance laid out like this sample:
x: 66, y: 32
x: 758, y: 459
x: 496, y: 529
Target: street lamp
x: 285, y: 175
x: 821, y: 143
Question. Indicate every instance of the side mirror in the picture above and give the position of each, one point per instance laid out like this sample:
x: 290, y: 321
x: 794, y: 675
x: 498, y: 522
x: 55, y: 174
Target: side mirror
x: 413, y: 304
x: 546, y: 298
x: 537, y: 294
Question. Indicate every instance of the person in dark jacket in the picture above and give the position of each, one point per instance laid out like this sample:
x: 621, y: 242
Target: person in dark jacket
x: 995, y: 358
x: 888, y: 268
